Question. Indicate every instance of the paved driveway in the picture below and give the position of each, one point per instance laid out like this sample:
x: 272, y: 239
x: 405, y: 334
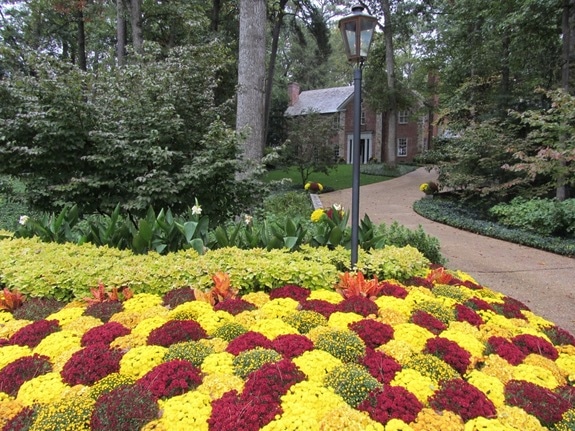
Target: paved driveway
x: 543, y: 281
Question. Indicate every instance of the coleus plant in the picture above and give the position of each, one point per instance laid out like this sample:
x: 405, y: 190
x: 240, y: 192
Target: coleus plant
x: 11, y: 300
x: 221, y: 291
x: 100, y: 294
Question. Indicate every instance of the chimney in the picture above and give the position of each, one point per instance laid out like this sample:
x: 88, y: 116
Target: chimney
x: 293, y: 93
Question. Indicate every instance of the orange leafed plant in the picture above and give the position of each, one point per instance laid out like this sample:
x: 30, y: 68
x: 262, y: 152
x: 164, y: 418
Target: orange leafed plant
x: 440, y: 276
x: 99, y: 294
x: 356, y: 285
x: 10, y: 301
x: 221, y: 291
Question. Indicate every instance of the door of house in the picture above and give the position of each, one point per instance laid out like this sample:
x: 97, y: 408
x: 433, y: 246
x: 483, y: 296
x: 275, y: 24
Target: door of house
x: 365, y: 149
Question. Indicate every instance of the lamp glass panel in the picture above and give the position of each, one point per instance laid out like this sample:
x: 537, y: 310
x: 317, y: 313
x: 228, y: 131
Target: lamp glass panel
x: 350, y: 37
x: 366, y: 36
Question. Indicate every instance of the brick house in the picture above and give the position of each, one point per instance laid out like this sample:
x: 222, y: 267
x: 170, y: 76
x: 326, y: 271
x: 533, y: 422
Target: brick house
x: 413, y: 132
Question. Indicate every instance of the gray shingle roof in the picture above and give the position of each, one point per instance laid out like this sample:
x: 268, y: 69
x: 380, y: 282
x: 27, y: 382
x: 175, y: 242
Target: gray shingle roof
x: 324, y: 101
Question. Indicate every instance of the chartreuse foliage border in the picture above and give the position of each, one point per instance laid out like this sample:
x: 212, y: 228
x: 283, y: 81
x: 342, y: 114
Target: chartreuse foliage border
x: 68, y: 271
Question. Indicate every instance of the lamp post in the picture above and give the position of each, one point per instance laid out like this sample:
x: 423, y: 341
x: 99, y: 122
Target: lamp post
x: 357, y: 32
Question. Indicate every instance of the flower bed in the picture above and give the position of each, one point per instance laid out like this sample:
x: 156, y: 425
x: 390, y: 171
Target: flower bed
x: 433, y: 353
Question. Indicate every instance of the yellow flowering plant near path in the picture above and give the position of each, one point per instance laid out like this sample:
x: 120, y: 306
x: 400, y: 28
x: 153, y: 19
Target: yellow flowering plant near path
x: 433, y: 353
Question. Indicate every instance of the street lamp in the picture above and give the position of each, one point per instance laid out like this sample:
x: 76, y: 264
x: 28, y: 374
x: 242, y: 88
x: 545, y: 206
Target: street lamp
x: 357, y: 31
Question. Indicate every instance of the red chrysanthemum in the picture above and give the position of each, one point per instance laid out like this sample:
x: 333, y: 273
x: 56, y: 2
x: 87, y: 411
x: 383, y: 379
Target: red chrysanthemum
x: 178, y: 296
x: 479, y: 304
x: 463, y: 399
x: 176, y: 331
x: 380, y: 365
x: 528, y: 343
x: 538, y: 401
x: 391, y: 289
x: 31, y: 335
x: 450, y: 352
x: 292, y: 345
x: 320, y: 306
x: 231, y: 412
x: 506, y: 349
x: 104, y: 334
x: 234, y: 306
x: 359, y: 305
x: 290, y: 291
x: 13, y: 375
x: 391, y: 402
x: 104, y: 310
x: 249, y: 340
x: 91, y: 364
x: 272, y: 380
x: 428, y: 321
x: 466, y: 314
x: 559, y: 336
x: 171, y: 378
x: 372, y: 332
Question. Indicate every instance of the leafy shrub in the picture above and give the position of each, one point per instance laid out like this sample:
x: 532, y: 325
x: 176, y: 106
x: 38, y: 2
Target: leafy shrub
x: 401, y: 236
x: 542, y: 216
x: 352, y: 382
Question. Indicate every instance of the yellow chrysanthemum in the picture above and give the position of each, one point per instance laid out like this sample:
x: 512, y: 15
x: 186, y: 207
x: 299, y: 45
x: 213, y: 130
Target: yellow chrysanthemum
x: 5, y: 317
x: 396, y: 304
x: 465, y: 340
x: 339, y: 320
x: 392, y: 317
x: 81, y: 325
x: 8, y: 409
x: 566, y: 363
x: 498, y: 367
x: 43, y: 389
x: 190, y: 310
x: 58, y: 343
x: 316, y: 364
x: 400, y: 350
x: 272, y: 328
x: 66, y: 315
x: 519, y: 419
x: 419, y: 385
x: 130, y: 319
x: 10, y: 353
x: 280, y: 307
x: 326, y: 295
x: 148, y: 325
x: 213, y: 320
x: 139, y: 360
x: 548, y: 364
x: 397, y: 425
x: 414, y: 335
x: 218, y: 363
x: 10, y: 327
x: 537, y: 321
x: 430, y: 420
x: 216, y: 385
x: 189, y: 411
x: 534, y: 374
x: 142, y: 301
x: 317, y: 215
x: 491, y: 386
x: 347, y: 418
x: 484, y: 424
x: 257, y: 298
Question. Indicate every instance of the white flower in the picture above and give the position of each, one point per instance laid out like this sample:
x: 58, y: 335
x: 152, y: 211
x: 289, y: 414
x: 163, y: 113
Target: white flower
x: 248, y: 219
x: 337, y: 207
x: 196, y: 210
x: 23, y: 219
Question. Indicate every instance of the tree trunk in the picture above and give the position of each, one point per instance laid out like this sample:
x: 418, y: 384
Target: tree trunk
x: 81, y: 40
x: 390, y: 69
x: 272, y: 65
x: 121, y: 32
x: 216, y: 8
x: 251, y: 76
x: 136, y: 20
x: 561, y: 192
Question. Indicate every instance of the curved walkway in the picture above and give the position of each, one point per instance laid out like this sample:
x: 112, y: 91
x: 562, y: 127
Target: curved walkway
x: 543, y: 281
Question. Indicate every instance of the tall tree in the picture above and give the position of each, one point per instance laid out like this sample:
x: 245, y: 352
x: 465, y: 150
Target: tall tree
x: 251, y: 77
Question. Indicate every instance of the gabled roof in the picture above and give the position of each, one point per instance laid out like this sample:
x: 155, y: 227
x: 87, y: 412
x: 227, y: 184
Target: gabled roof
x: 324, y: 101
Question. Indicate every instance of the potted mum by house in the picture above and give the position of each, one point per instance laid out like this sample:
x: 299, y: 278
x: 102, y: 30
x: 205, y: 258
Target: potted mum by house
x: 313, y: 187
x: 429, y: 188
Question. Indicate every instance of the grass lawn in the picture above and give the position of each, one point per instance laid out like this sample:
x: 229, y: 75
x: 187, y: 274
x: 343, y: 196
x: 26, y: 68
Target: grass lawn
x: 338, y: 178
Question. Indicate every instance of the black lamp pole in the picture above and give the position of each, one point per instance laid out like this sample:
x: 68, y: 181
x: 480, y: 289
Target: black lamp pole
x: 357, y: 31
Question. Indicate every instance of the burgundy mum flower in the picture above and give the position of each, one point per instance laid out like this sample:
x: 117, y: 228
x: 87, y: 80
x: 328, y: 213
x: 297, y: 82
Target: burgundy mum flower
x: 538, y: 401
x: 92, y: 363
x: 359, y: 305
x: 450, y: 352
x: 104, y: 310
x: 559, y: 336
x: 176, y: 331
x: 272, y: 379
x: 292, y: 345
x: 479, y: 304
x: 178, y: 296
x: 249, y: 340
x: 22, y: 421
x: 290, y: 291
x: 528, y: 343
x: 13, y: 375
x: 510, y: 310
x: 390, y: 289
x: 232, y: 412
x: 463, y: 399
x: 31, y: 335
x: 471, y: 285
x: 171, y: 378
x: 104, y: 334
x: 320, y: 306
x: 391, y: 402
x: 428, y: 321
x: 126, y: 408
x: 466, y: 314
x: 506, y: 349
x: 419, y: 282
x: 380, y: 365
x: 372, y: 332
x: 567, y: 393
x: 234, y: 306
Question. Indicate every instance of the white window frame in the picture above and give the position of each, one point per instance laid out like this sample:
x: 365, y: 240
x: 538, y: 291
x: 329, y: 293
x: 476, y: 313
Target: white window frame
x: 402, y: 147
x: 403, y: 117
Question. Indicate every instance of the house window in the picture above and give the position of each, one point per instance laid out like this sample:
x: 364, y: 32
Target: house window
x: 403, y: 117
x: 363, y: 118
x: 336, y: 121
x: 402, y: 147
